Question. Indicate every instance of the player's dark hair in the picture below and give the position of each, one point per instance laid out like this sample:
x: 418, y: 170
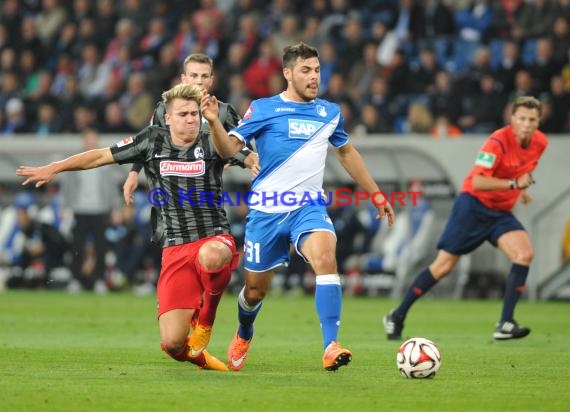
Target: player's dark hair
x: 198, y: 58
x: 529, y: 102
x: 298, y: 50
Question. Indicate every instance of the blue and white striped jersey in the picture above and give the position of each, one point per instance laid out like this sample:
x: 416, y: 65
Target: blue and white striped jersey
x: 292, y: 141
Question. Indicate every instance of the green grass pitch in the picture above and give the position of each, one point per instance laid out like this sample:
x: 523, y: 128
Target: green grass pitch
x: 62, y: 352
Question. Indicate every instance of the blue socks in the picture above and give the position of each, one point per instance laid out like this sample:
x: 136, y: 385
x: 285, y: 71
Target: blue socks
x: 514, y: 288
x: 246, y: 317
x: 328, y: 300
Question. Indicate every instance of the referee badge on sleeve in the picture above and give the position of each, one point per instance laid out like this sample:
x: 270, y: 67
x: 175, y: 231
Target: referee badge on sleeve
x: 485, y: 159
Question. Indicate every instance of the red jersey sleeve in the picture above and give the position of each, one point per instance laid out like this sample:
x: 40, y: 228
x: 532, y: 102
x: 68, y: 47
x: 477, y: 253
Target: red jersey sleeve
x: 488, y: 158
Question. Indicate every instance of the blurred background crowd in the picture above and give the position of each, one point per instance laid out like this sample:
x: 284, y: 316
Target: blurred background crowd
x: 396, y: 66
x: 443, y: 68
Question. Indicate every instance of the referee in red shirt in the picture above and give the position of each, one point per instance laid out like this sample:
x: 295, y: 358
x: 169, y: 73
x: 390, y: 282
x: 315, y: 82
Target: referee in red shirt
x: 483, y: 211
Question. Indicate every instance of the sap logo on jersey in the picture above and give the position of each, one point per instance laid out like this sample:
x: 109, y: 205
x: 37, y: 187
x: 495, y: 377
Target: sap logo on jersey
x: 303, y: 129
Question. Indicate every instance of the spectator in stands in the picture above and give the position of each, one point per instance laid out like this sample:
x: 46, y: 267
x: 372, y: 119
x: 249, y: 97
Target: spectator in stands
x: 558, y: 103
x: 248, y: 35
x: 128, y: 236
x: 29, y: 72
x: 114, y: 121
x: 153, y: 40
x: 337, y: 90
x: 371, y: 122
x: 105, y: 20
x: 424, y: 73
x: 482, y: 111
x: 48, y: 121
x: 135, y: 10
x: 84, y: 118
x: 362, y: 73
x: 29, y: 39
x: 50, y: 20
x: 287, y: 34
x: 333, y: 23
x: 523, y: 85
x: 11, y: 18
x: 90, y: 196
x: 136, y: 101
x: 409, y: 24
x: 419, y: 119
x: 398, y: 74
x: 34, y: 248
x: 237, y: 92
x: 444, y: 100
x: 8, y: 60
x: 15, y: 118
x: 378, y: 96
x: 437, y: 21
x: 560, y: 39
x: 544, y: 66
x: 311, y: 31
x: 207, y: 21
x: 93, y: 73
x: 10, y: 88
x: 480, y: 66
x: 39, y: 94
x: 351, y: 43
x: 562, y: 8
x: 473, y: 23
x: 81, y: 9
x: 256, y: 75
x: 86, y: 34
x: 506, y: 12
x: 163, y: 71
x: 507, y: 67
x: 534, y: 20
x: 68, y: 99
x: 125, y: 36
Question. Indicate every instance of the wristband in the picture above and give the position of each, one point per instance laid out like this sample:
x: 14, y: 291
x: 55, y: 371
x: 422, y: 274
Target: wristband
x: 513, y: 184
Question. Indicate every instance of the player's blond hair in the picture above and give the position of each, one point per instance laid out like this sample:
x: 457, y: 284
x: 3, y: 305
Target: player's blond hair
x: 528, y: 102
x: 198, y: 58
x: 182, y: 91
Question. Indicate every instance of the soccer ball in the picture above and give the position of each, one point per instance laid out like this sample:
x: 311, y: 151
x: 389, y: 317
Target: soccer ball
x: 418, y: 358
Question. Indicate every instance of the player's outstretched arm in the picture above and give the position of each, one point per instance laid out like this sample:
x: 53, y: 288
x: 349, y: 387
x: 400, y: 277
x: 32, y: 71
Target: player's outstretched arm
x: 226, y: 146
x: 82, y: 161
x: 356, y: 168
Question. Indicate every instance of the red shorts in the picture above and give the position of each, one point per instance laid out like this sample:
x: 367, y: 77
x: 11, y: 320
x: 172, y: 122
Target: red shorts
x: 179, y: 285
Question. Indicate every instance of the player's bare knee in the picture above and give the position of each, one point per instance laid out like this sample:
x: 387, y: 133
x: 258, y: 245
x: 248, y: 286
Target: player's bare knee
x: 211, y: 258
x: 440, y: 270
x: 172, y: 345
x: 254, y: 295
x: 324, y: 262
x: 523, y: 257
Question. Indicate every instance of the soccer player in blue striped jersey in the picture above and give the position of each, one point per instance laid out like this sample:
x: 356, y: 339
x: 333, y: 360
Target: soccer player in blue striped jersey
x: 292, y: 131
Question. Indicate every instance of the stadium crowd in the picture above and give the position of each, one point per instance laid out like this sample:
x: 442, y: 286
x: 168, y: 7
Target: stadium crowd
x: 395, y: 66
x: 437, y: 67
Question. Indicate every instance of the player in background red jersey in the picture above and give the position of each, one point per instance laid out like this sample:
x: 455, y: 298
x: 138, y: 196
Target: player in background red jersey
x: 500, y: 177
